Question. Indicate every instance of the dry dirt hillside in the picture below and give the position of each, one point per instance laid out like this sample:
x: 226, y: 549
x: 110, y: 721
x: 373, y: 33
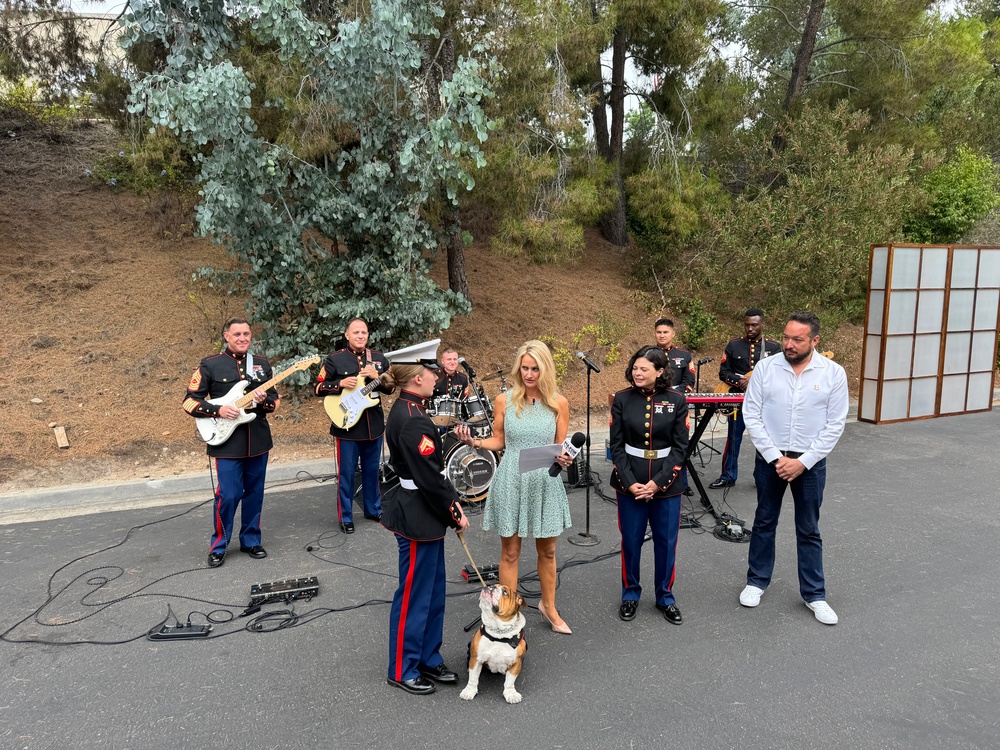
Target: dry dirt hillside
x: 106, y: 323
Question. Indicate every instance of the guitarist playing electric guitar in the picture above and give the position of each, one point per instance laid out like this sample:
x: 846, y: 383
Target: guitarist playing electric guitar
x: 241, y: 460
x: 344, y: 373
x: 738, y: 361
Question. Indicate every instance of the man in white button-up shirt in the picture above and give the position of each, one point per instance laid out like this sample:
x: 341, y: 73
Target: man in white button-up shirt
x: 795, y: 411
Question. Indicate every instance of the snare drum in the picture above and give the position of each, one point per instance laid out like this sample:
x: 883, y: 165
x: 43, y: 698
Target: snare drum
x: 470, y: 471
x: 474, y: 410
x: 445, y: 411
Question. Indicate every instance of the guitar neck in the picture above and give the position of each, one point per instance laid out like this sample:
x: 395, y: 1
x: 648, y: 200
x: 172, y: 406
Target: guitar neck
x: 247, y: 399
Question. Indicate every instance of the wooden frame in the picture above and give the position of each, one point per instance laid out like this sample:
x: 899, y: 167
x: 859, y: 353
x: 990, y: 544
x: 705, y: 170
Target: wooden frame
x: 931, y: 324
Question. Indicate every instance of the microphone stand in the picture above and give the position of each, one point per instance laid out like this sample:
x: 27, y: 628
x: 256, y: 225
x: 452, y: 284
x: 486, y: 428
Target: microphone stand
x: 585, y: 538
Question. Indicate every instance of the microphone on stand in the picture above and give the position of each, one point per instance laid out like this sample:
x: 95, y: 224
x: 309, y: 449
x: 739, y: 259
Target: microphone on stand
x: 583, y: 357
x: 571, y: 447
x: 467, y: 366
x: 705, y: 361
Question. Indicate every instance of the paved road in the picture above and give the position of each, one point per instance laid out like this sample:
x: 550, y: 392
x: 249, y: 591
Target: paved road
x: 910, y: 523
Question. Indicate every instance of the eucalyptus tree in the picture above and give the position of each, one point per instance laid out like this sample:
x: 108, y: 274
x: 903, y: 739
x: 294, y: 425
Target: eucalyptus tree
x: 320, y: 143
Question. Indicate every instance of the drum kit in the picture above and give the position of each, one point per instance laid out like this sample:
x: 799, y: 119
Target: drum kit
x: 469, y: 470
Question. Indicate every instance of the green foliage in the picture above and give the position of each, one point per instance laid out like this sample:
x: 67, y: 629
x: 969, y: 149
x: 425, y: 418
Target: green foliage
x: 317, y: 155
x: 803, y: 242
x: 148, y: 165
x: 22, y: 101
x: 960, y: 191
x: 699, y: 323
x: 603, y: 337
x: 560, y: 355
x: 542, y: 241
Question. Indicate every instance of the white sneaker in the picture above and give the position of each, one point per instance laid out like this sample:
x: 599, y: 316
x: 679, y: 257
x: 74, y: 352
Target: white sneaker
x: 750, y: 596
x: 823, y: 611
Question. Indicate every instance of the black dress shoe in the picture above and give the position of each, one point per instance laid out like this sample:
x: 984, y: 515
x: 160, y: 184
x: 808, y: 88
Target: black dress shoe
x: 347, y: 527
x: 215, y: 559
x: 688, y: 492
x: 256, y: 551
x: 719, y: 483
x: 376, y: 519
x: 417, y: 686
x: 440, y: 673
x: 627, y: 611
x: 671, y: 613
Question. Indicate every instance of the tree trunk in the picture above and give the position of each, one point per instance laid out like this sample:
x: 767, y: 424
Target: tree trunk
x: 599, y: 112
x: 457, y: 279
x: 613, y: 223
x: 800, y: 68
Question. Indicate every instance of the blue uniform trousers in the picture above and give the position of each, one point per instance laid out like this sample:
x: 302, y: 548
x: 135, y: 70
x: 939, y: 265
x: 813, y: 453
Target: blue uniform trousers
x: 731, y: 455
x: 807, y: 494
x: 349, y: 453
x: 664, y: 518
x: 240, y: 482
x: 416, y: 619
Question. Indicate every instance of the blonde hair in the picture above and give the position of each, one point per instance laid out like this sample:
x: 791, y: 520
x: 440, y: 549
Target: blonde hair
x: 400, y: 375
x: 539, y: 352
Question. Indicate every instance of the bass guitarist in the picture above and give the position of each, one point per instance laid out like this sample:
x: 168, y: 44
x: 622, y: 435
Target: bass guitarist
x: 345, y: 370
x: 738, y: 361
x: 241, y: 461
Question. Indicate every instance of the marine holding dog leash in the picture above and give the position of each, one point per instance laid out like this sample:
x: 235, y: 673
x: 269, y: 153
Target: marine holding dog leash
x: 418, y: 512
x: 532, y: 414
x: 649, y: 437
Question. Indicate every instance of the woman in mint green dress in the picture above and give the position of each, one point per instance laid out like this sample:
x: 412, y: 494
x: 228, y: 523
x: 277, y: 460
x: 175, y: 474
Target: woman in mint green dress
x: 533, y: 413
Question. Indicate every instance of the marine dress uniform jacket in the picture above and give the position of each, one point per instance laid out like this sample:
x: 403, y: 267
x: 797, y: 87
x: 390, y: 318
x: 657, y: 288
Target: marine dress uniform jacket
x: 649, y: 421
x: 345, y: 363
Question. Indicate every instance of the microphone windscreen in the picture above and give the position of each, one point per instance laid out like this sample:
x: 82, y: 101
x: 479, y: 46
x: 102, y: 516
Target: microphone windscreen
x: 578, y: 439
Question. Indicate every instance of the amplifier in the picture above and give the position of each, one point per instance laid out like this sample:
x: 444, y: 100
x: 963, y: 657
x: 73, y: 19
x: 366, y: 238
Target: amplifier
x: 284, y: 591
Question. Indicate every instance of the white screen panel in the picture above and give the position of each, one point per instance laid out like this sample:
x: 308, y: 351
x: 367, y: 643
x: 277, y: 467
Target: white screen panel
x: 872, y: 356
x: 898, y: 354
x: 980, y: 391
x: 982, y: 351
x: 926, y: 355
x: 986, y: 309
x: 875, y: 304
x: 902, y: 308
x: 956, y: 353
x: 895, y: 398
x: 934, y: 269
x: 989, y: 268
x: 953, y: 393
x: 930, y: 311
x: 880, y: 257
x: 923, y: 393
x: 868, y: 390
x: 960, y: 309
x: 905, y: 267
x: 964, y: 267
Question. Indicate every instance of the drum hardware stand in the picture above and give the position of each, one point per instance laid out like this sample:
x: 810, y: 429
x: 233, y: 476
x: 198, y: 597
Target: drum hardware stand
x: 585, y: 538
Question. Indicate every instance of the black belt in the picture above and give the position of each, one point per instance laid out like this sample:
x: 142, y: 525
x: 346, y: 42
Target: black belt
x: 791, y: 454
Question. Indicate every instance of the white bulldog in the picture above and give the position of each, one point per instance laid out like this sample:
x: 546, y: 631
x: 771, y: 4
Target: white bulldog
x: 499, y: 643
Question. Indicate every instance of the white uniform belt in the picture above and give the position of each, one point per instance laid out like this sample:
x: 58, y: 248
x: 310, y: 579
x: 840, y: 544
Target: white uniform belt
x: 407, y: 484
x: 647, y: 454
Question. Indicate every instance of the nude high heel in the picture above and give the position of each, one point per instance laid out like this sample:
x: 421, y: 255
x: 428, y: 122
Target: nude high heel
x: 563, y: 629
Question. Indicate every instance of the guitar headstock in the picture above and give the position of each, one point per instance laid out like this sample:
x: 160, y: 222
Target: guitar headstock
x: 827, y: 354
x: 304, y: 363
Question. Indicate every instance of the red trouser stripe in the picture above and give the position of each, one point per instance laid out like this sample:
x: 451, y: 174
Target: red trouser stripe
x: 218, y: 505
x: 401, y: 631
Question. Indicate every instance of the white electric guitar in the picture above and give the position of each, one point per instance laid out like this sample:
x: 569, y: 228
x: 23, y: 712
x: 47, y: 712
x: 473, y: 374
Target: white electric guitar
x: 216, y: 430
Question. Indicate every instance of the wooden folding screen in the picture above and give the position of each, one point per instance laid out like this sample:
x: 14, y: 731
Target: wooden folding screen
x: 930, y: 332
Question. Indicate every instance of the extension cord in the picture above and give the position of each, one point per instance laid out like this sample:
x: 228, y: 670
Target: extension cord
x: 180, y: 632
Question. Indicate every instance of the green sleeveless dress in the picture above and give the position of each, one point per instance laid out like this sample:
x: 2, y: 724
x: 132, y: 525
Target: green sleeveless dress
x: 532, y: 504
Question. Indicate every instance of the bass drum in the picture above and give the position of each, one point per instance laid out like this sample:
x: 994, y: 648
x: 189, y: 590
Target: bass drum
x: 470, y: 471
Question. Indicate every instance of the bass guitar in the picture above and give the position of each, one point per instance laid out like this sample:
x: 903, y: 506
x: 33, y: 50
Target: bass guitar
x: 216, y: 430
x: 345, y: 408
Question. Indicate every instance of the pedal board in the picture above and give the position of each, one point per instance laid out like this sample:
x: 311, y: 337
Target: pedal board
x: 180, y: 632
x: 491, y: 574
x: 284, y: 591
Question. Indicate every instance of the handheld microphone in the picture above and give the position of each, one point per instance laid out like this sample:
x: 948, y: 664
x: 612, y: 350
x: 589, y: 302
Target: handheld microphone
x: 590, y: 365
x: 705, y: 361
x: 571, y: 447
x: 467, y: 366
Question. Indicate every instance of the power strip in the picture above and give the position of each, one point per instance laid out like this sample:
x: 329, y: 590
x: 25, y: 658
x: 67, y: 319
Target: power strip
x: 180, y: 632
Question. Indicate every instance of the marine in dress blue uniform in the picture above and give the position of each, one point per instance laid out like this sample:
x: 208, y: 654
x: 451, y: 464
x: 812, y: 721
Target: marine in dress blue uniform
x: 241, y: 461
x: 419, y: 512
x: 740, y: 357
x: 361, y: 443
x: 649, y: 437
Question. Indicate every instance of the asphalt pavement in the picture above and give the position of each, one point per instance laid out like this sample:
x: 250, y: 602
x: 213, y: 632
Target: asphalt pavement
x: 910, y: 530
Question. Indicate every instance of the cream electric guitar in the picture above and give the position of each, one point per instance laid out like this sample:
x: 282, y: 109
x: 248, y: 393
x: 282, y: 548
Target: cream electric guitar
x: 216, y: 430
x: 345, y: 409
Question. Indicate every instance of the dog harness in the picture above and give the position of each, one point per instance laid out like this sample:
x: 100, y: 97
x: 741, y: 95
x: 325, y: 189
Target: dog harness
x: 514, y: 641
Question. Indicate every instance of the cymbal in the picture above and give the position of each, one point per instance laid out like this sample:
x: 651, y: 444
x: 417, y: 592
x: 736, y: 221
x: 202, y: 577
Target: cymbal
x: 492, y: 376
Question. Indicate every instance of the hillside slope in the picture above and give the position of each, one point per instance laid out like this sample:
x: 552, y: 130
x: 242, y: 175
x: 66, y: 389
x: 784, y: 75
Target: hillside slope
x: 105, y: 324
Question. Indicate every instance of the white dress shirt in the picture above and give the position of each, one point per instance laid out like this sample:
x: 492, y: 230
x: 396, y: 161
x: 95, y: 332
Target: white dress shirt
x: 788, y: 412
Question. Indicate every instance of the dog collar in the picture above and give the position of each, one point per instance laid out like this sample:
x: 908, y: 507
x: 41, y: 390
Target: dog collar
x: 513, y: 641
